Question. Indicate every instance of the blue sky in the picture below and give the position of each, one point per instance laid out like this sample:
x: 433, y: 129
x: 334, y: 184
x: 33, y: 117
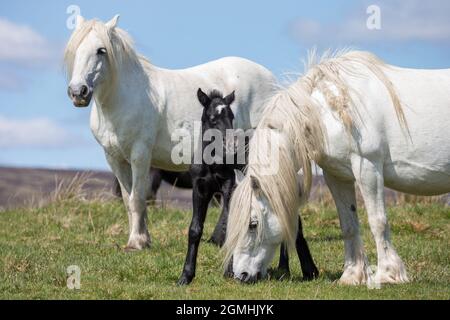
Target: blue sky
x: 39, y: 127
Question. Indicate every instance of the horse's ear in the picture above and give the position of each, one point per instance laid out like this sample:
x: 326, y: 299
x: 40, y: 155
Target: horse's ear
x: 255, y: 183
x: 111, y: 24
x: 239, y: 175
x: 229, y: 99
x: 203, y: 98
x: 79, y: 21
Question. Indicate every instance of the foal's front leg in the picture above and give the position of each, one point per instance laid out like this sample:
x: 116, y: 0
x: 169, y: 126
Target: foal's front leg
x: 140, y: 166
x: 201, y: 196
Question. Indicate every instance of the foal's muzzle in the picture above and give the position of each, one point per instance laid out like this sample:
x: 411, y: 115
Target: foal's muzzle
x: 80, y: 95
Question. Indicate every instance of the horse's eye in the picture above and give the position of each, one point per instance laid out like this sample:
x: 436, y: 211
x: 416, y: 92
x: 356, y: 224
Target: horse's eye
x: 253, y: 225
x: 101, y: 51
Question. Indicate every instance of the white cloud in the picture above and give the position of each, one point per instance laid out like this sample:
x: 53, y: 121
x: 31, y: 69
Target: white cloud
x: 37, y: 132
x: 401, y: 22
x: 23, y: 45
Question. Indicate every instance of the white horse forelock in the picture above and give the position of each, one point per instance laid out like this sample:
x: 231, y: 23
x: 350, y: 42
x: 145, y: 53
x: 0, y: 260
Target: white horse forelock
x: 117, y: 42
x: 294, y: 116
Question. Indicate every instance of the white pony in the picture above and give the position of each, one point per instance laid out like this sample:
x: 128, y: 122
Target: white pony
x: 138, y: 106
x: 361, y: 121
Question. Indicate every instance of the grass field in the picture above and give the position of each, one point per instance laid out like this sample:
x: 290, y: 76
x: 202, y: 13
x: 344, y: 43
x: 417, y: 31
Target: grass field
x: 37, y: 245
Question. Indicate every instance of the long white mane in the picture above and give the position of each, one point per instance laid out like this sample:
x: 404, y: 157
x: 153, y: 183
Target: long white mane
x: 117, y: 42
x: 293, y: 115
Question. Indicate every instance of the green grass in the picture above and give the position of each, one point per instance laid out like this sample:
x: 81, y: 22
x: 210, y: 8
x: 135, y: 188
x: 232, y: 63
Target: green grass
x: 37, y: 245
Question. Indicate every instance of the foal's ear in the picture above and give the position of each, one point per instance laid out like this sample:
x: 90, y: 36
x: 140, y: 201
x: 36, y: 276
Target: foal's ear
x: 111, y: 24
x: 203, y: 98
x: 79, y: 21
x: 255, y: 183
x: 229, y: 99
x: 239, y: 176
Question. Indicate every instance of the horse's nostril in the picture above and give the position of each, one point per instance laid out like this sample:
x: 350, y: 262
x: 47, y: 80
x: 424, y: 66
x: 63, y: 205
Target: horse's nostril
x: 84, y: 91
x: 244, y: 276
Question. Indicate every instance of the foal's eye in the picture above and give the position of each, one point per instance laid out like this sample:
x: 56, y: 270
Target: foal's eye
x: 101, y: 51
x: 253, y: 225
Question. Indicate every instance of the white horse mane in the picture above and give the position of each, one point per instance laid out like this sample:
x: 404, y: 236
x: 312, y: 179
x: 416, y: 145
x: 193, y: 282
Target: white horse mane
x: 294, y: 114
x: 117, y: 42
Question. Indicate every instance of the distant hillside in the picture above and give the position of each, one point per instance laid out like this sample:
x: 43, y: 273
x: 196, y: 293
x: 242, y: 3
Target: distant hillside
x: 25, y: 187
x: 28, y: 187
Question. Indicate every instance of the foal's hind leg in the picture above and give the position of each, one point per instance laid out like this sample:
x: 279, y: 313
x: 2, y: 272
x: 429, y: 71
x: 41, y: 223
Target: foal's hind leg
x: 218, y: 236
x: 309, y: 269
x: 308, y: 266
x: 155, y: 183
x: 369, y: 176
x: 356, y: 266
x: 283, y: 263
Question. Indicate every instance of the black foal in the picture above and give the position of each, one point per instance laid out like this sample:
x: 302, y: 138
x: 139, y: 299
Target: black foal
x: 218, y: 176
x: 208, y: 179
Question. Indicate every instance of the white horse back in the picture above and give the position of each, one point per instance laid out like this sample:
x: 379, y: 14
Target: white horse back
x: 417, y: 162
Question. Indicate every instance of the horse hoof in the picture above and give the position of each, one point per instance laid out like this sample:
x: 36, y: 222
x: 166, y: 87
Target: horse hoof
x: 228, y: 274
x: 184, y: 281
x: 311, y: 275
x: 138, y: 242
x: 354, y: 276
x: 215, y: 241
x: 280, y: 274
x: 391, y: 278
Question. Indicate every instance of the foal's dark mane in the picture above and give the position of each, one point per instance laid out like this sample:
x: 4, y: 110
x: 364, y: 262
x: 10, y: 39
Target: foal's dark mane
x: 215, y: 94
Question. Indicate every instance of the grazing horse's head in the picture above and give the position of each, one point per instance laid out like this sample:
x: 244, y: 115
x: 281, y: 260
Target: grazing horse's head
x: 263, y: 208
x: 90, y: 58
x: 217, y: 115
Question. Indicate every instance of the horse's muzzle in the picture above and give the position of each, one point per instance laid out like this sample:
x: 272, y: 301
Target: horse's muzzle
x: 81, y: 96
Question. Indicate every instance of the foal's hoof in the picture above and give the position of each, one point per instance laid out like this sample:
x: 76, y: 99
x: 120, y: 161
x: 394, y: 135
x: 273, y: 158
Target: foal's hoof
x: 184, y: 280
x: 280, y: 273
x: 228, y: 274
x: 311, y: 275
x: 216, y: 241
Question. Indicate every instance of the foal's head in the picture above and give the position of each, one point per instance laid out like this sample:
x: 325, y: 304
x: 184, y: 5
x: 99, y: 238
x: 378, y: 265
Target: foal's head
x: 217, y: 113
x: 217, y: 118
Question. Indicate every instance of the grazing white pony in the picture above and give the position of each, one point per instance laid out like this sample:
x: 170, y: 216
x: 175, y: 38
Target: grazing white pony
x: 361, y: 121
x: 138, y: 106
